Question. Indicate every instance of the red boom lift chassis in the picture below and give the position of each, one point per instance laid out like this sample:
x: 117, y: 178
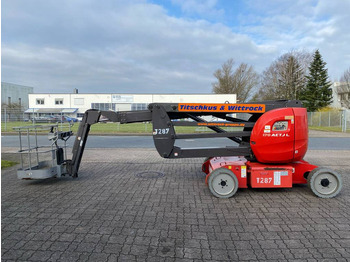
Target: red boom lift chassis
x: 268, y: 152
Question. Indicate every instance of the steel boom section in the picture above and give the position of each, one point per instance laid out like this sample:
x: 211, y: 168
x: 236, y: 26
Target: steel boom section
x: 162, y: 116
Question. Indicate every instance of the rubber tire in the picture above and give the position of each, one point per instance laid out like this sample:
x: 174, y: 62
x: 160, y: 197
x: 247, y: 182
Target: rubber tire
x: 322, y: 170
x: 221, y: 171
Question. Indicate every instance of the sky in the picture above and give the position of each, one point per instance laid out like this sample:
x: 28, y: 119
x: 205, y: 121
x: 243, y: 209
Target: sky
x: 159, y: 46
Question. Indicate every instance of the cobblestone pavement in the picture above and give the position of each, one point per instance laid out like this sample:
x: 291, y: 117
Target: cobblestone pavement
x: 110, y: 213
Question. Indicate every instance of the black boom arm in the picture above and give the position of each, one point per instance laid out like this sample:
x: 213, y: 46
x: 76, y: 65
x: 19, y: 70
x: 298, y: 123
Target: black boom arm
x: 165, y: 116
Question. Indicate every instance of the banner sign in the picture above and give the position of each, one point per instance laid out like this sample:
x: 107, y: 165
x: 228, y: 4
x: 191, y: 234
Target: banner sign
x: 229, y: 108
x: 122, y: 98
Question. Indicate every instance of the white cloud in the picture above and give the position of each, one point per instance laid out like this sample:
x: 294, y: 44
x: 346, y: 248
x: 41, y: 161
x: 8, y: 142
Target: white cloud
x: 305, y: 25
x: 133, y: 48
x: 136, y: 46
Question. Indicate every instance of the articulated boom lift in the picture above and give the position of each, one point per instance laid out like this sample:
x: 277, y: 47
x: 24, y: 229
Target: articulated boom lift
x: 268, y: 151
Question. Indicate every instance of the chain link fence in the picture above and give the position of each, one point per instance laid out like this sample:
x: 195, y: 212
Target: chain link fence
x: 336, y: 119
x: 11, y: 115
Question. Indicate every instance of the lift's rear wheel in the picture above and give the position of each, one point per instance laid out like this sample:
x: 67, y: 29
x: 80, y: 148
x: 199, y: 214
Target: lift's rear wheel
x: 222, y: 183
x: 324, y: 182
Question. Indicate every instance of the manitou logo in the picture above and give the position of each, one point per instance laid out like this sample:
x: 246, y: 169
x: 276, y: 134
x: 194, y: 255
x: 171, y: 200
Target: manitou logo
x: 276, y: 135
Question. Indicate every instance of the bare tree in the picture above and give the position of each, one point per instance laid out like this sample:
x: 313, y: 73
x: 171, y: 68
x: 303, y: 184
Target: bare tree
x: 269, y: 83
x: 343, y: 89
x: 224, y: 85
x: 285, y: 77
x: 291, y: 79
x: 303, y: 57
x: 245, y: 79
x: 346, y: 77
x: 241, y: 82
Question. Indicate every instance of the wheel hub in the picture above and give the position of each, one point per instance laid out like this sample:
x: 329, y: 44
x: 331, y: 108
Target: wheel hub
x: 223, y: 183
x: 325, y: 182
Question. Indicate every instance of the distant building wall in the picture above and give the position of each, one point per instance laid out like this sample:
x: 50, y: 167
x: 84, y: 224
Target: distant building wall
x: 341, y: 95
x: 12, y: 93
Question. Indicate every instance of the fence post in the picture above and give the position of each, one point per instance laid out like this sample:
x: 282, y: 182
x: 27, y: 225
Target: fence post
x: 319, y: 120
x: 344, y: 121
x: 61, y: 121
x: 311, y: 117
x: 5, y: 120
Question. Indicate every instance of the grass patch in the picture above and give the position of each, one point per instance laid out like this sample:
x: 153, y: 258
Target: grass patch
x: 117, y: 128
x: 99, y: 128
x: 328, y: 128
x: 6, y: 163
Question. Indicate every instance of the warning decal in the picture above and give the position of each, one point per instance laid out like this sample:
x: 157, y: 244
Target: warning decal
x: 243, y: 171
x: 277, y: 177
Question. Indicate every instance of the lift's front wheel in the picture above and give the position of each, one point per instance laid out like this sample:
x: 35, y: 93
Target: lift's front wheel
x: 223, y: 183
x: 324, y: 182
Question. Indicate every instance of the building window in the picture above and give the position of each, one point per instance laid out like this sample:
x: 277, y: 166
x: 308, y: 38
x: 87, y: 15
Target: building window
x: 138, y: 106
x: 78, y: 101
x: 103, y: 106
x: 9, y: 100
x: 40, y: 101
x: 114, y: 106
x: 20, y: 101
x: 59, y: 101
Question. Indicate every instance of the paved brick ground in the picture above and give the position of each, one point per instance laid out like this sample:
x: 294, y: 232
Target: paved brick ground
x: 111, y: 214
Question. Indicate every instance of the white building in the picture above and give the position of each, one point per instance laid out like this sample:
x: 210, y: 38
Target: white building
x: 341, y: 95
x: 75, y: 105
